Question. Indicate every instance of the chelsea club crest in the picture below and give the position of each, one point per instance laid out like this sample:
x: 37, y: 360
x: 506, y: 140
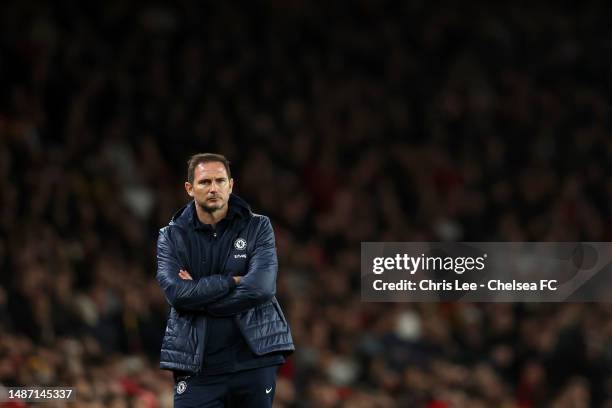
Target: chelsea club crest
x: 181, y: 387
x: 240, y: 244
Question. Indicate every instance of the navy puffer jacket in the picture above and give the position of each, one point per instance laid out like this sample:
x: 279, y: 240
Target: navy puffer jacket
x: 251, y: 253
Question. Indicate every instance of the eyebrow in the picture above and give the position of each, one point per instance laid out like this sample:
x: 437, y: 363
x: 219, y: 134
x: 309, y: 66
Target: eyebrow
x: 211, y: 178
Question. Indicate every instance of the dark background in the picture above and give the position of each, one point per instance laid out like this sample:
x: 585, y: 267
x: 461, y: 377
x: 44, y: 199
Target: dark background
x: 345, y: 122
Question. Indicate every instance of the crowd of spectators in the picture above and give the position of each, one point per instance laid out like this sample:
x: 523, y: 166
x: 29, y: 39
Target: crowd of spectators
x: 345, y: 122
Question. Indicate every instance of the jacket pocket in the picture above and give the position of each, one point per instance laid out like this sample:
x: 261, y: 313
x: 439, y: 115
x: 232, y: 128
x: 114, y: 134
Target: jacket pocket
x: 261, y: 314
x: 279, y: 311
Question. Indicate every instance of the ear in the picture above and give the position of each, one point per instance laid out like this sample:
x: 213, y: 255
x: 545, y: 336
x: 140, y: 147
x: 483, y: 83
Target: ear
x: 231, y: 183
x: 189, y: 188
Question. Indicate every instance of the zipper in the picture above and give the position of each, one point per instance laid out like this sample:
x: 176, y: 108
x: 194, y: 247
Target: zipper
x: 235, y: 233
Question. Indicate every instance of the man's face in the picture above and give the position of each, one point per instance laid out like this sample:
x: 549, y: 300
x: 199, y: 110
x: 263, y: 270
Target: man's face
x: 211, y: 187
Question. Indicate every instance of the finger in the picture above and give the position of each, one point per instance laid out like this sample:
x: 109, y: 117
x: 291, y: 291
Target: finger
x: 184, y: 275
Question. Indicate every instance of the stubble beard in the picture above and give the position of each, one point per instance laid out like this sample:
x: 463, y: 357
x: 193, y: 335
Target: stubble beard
x: 211, y: 209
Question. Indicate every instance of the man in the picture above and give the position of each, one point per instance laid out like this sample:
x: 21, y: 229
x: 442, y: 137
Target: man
x: 226, y: 334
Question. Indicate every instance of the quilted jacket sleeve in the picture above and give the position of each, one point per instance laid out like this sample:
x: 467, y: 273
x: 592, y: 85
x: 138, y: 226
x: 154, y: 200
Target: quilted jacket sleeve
x: 186, y: 294
x: 258, y: 285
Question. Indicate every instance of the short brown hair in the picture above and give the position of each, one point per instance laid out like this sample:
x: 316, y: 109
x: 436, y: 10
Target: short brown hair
x: 206, y: 158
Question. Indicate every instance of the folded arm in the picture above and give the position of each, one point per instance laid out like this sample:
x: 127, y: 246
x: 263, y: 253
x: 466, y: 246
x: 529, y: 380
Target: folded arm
x: 186, y: 294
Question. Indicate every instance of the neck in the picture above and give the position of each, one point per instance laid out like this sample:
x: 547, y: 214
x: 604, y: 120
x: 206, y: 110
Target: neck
x: 213, y: 218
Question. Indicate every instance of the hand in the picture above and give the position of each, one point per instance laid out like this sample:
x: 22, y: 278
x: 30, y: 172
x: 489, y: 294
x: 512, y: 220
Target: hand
x: 185, y: 275
x: 237, y: 279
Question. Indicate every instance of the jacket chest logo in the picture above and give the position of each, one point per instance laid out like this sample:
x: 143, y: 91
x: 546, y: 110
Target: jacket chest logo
x: 240, y: 244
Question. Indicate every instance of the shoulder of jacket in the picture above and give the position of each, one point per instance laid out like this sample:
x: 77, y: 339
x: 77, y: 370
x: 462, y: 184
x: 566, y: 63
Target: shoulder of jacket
x: 260, y: 219
x: 261, y: 225
x: 169, y: 230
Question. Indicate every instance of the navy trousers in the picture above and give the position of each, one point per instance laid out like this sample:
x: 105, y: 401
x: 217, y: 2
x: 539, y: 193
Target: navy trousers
x: 249, y: 388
